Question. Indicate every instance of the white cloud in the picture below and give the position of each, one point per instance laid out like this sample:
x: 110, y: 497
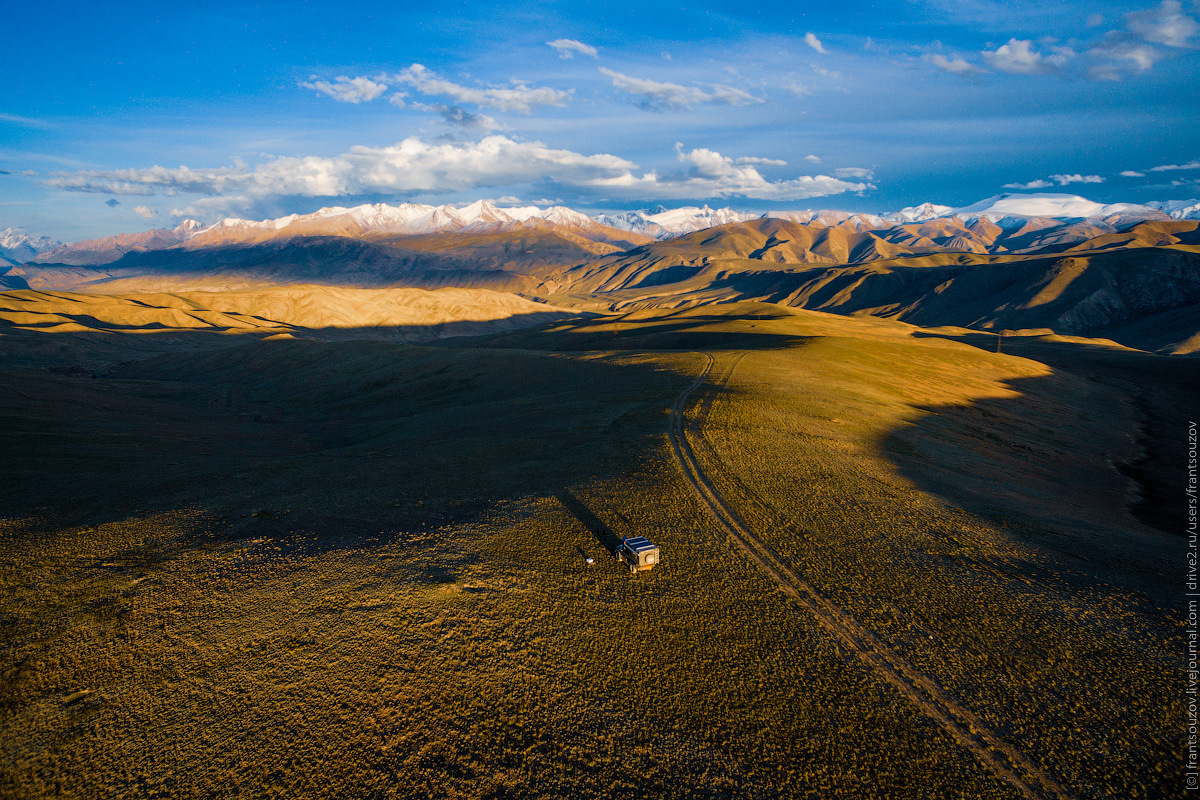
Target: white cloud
x: 1166, y: 24
x: 797, y: 88
x: 955, y: 66
x: 1117, y: 53
x: 853, y: 172
x: 145, y: 212
x: 773, y: 162
x: 518, y: 97
x: 812, y: 41
x: 1039, y: 184
x: 347, y: 90
x: 731, y: 96
x: 414, y: 166
x: 28, y: 122
x: 657, y: 93
x: 1137, y: 48
x: 1169, y: 167
x: 1129, y: 173
x: 1094, y: 20
x: 151, y: 180
x: 567, y: 48
x: 812, y: 159
x: 409, y: 166
x: 1063, y: 180
x: 1018, y: 57
x: 663, y: 95
x: 711, y: 174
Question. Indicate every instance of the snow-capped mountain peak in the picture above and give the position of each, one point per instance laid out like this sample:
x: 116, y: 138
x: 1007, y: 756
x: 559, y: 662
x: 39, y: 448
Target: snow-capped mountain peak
x: 1055, y: 206
x: 17, y: 246
x: 917, y: 213
x: 1177, y: 209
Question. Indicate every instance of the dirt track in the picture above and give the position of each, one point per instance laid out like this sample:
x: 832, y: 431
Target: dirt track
x: 963, y: 725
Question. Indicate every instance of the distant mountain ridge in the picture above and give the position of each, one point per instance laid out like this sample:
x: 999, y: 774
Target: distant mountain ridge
x: 1075, y: 218
x: 1128, y: 272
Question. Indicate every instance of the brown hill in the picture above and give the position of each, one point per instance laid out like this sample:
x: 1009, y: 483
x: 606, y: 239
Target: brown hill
x: 406, y: 314
x: 1148, y: 298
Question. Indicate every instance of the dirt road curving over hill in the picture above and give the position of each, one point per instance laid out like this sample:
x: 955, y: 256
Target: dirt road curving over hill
x: 935, y: 702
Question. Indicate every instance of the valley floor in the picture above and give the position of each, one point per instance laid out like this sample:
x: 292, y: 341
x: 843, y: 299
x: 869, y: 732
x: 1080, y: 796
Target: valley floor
x: 246, y: 566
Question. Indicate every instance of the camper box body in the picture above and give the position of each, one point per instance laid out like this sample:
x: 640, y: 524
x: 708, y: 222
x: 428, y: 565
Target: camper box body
x: 639, y: 553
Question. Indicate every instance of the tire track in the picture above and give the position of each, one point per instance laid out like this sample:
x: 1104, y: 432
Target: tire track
x: 962, y: 724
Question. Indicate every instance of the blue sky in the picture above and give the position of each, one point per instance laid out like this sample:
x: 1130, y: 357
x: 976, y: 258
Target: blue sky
x: 137, y: 115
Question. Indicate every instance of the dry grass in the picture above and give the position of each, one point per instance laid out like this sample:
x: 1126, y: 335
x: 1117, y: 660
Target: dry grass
x: 409, y: 613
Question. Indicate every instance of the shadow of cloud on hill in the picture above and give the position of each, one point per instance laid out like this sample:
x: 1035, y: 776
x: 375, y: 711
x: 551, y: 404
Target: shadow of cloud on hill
x: 1050, y: 466
x: 669, y: 332
x: 322, y: 442
x: 1163, y: 393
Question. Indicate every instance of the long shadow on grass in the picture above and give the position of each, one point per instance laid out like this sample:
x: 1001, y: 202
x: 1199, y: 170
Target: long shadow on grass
x: 607, y: 537
x: 331, y: 443
x: 1164, y: 392
x: 1044, y: 462
x: 685, y: 330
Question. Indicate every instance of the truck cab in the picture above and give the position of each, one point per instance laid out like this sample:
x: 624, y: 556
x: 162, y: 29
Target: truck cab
x: 639, y: 553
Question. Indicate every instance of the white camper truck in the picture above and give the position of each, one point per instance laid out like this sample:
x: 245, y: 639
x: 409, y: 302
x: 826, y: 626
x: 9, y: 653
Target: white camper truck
x: 639, y: 553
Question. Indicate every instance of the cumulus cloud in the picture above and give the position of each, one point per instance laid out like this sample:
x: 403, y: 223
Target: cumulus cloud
x: 1138, y: 47
x: 145, y: 212
x: 1018, y: 57
x: 853, y: 172
x: 1166, y: 24
x: 409, y: 166
x: 1130, y: 173
x: 1038, y: 184
x: 812, y: 41
x: 1063, y: 180
x: 567, y: 48
x: 414, y: 166
x: 813, y: 159
x: 517, y: 97
x: 347, y: 90
x: 710, y: 174
x: 1147, y: 37
x: 659, y: 95
x: 1194, y: 164
x: 955, y: 66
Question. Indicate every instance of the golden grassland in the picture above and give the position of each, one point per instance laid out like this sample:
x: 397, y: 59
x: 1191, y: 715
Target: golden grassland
x: 252, y: 567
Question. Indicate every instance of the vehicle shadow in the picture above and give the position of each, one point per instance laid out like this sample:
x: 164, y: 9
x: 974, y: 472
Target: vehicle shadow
x: 605, y: 535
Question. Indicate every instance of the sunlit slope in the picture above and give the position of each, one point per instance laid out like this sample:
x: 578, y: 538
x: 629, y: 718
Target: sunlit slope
x: 1143, y: 297
x: 945, y: 496
x: 413, y: 313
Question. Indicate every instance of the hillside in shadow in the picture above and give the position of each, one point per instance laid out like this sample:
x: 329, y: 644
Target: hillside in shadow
x: 1107, y: 500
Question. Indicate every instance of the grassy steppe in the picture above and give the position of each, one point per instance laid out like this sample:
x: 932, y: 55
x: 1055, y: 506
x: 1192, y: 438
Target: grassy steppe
x: 356, y: 568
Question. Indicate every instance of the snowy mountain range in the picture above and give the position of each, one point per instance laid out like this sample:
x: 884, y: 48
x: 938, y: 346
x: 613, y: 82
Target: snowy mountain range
x: 603, y: 233
x: 17, y: 246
